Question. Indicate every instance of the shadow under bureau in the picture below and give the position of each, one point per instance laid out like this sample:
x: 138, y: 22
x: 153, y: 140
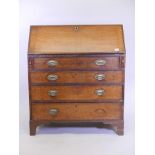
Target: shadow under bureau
x: 76, y: 75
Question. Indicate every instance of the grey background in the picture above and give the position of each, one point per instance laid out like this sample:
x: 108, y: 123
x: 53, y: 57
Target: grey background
x: 77, y: 141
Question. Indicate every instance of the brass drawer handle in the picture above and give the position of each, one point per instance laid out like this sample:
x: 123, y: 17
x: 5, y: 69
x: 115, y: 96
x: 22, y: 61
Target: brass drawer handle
x: 52, y: 63
x: 52, y: 77
x: 53, y: 112
x: 100, y: 92
x: 100, y: 77
x: 100, y: 62
x: 52, y: 93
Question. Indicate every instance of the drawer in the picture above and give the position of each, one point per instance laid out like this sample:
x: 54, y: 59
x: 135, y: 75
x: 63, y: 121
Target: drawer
x: 77, y: 77
x: 102, y: 62
x: 76, y: 111
x: 76, y: 93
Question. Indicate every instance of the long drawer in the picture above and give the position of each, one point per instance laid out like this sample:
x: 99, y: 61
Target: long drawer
x: 76, y: 92
x: 101, y: 62
x: 77, y: 77
x: 76, y: 111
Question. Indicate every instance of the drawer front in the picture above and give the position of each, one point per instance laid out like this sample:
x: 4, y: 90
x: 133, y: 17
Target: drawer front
x: 76, y: 111
x: 77, y: 77
x: 101, y: 62
x: 74, y: 93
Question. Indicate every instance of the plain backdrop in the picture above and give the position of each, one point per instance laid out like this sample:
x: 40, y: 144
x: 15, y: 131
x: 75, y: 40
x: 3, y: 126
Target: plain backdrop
x: 77, y: 141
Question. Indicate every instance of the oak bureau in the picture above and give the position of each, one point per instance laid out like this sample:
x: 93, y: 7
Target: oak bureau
x: 76, y: 75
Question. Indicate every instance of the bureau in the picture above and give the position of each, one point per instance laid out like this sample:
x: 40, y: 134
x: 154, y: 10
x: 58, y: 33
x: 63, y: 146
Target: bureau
x: 76, y: 75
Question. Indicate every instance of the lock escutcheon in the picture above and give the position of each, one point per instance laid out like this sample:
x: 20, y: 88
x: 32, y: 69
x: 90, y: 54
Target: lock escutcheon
x: 76, y: 28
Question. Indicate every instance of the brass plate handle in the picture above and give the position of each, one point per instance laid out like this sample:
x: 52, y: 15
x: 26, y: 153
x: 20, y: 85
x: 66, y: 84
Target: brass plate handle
x: 100, y: 62
x: 100, y: 92
x: 52, y: 63
x: 100, y: 77
x: 52, y: 93
x: 52, y: 77
x: 53, y: 112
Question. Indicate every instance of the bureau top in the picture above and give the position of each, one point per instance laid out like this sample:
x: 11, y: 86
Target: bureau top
x: 76, y: 39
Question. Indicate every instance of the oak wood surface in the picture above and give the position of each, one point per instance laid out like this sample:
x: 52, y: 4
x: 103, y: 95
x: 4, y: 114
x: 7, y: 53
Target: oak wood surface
x: 76, y: 92
x: 76, y: 49
x: 77, y: 63
x: 77, y: 111
x: 66, y: 39
x: 78, y: 77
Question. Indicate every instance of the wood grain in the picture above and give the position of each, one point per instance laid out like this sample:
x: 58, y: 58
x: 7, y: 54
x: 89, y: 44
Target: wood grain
x: 77, y: 63
x: 65, y: 39
x: 77, y: 111
x: 78, y: 77
x: 76, y: 51
x: 76, y: 92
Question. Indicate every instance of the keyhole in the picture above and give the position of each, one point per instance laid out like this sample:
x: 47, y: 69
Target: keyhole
x: 76, y: 28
